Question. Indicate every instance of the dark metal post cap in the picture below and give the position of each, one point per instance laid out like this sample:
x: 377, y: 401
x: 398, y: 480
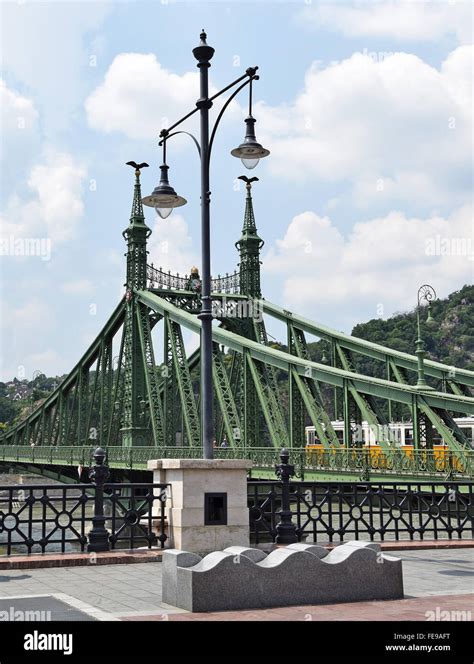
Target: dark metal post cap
x: 284, y: 455
x: 99, y: 455
x: 203, y: 52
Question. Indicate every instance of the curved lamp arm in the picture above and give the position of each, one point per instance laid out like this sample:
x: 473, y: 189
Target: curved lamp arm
x: 165, y: 137
x: 164, y: 134
x: 426, y: 293
x: 252, y: 77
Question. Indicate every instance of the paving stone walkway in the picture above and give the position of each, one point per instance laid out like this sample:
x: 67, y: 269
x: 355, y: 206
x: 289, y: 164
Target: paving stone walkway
x: 442, y: 577
x: 445, y: 607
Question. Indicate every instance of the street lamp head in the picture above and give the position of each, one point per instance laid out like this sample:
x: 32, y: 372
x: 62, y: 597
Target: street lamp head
x: 164, y: 198
x: 250, y: 151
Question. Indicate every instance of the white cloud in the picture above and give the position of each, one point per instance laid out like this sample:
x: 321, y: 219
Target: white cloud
x: 19, y: 134
x: 48, y: 46
x: 55, y: 206
x: 333, y: 277
x: 401, y: 20
x: 457, y: 76
x: 361, y: 120
x: 138, y: 96
x: 171, y: 247
x: 17, y: 112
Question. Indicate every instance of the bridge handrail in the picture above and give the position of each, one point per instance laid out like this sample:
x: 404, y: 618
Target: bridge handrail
x: 397, y: 461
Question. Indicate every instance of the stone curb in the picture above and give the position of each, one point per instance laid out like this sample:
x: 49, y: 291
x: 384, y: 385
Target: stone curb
x: 127, y: 557
x: 44, y: 560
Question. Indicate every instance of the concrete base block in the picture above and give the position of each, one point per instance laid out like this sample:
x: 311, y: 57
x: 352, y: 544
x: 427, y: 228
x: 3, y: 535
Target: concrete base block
x: 190, y: 480
x: 244, y: 578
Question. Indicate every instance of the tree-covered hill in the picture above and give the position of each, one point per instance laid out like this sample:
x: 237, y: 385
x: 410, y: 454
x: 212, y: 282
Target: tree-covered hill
x: 449, y: 340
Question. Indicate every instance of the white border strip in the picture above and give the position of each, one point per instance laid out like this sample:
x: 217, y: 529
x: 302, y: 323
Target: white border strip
x: 78, y: 604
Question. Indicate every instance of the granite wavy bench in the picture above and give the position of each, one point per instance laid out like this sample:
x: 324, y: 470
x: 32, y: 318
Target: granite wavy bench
x: 245, y: 578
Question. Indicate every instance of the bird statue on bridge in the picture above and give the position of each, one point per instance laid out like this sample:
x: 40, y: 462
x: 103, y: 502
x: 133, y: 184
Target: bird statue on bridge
x: 137, y: 167
x: 247, y: 180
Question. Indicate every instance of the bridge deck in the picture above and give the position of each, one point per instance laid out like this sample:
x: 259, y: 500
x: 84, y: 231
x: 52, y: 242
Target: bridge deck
x: 340, y: 465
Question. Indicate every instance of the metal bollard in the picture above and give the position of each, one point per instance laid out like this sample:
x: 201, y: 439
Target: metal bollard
x: 286, y: 529
x: 98, y: 474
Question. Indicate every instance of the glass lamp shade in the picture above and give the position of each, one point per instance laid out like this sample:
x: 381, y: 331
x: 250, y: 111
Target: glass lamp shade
x: 163, y: 212
x: 250, y: 163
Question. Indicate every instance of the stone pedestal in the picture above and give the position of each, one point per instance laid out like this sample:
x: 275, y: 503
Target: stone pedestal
x: 222, y: 484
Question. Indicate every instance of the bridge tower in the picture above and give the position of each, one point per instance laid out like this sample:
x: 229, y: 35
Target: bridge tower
x: 133, y: 418
x: 249, y: 247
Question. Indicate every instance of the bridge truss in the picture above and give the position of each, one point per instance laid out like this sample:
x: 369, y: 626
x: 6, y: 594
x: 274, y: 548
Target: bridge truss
x: 142, y: 398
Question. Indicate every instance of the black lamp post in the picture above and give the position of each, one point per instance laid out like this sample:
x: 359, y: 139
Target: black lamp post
x: 164, y: 199
x: 98, y: 474
x: 426, y: 293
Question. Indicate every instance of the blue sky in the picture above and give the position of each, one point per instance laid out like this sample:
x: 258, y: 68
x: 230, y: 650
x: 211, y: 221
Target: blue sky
x: 365, y: 106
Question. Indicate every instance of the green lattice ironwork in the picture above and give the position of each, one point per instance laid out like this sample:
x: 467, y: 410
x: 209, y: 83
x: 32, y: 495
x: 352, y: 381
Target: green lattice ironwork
x: 308, y: 393
x: 225, y: 399
x: 185, y: 386
x: 153, y: 402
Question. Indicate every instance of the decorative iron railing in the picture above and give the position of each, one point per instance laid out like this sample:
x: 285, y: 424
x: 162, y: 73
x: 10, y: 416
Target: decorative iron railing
x: 342, y: 511
x: 363, y: 463
x: 157, y: 278
x: 228, y: 284
x: 41, y: 517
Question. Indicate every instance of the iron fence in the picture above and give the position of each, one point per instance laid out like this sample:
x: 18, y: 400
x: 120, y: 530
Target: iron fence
x: 41, y: 517
x: 377, y: 511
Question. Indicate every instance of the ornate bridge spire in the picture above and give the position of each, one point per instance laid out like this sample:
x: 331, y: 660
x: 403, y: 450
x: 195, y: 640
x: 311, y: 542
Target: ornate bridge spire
x: 136, y: 235
x: 249, y: 247
x: 133, y: 414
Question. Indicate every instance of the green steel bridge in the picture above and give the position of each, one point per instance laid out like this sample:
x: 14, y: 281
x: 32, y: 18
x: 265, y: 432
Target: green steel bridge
x: 146, y: 405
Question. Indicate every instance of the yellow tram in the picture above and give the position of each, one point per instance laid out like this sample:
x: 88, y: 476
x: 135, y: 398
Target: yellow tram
x: 399, y: 434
